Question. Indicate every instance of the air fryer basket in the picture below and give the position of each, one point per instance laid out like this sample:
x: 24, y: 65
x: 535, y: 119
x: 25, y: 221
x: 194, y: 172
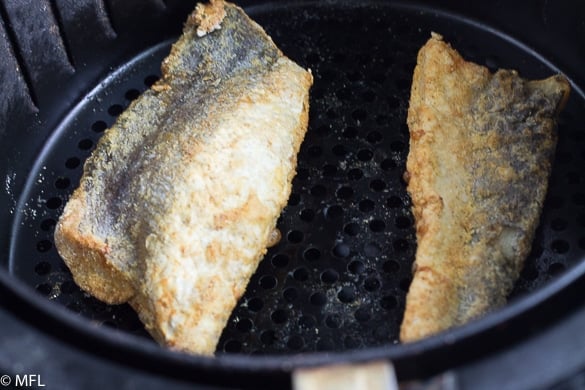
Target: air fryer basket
x: 334, y: 288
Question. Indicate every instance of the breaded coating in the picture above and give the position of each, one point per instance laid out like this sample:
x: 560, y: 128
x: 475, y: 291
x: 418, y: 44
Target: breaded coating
x: 481, y: 151
x: 178, y: 201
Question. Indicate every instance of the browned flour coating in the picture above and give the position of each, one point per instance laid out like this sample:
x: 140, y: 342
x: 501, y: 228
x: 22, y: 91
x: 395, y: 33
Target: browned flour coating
x: 177, y: 203
x: 481, y: 149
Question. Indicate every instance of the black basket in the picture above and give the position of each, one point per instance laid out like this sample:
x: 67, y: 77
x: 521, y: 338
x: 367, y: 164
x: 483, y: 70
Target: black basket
x: 334, y: 288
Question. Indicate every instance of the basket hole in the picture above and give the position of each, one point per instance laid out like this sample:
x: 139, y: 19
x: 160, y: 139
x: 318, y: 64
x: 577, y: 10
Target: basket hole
x: 318, y: 299
x: 402, y: 222
x: 329, y: 170
x: 244, y: 325
x: 85, y: 144
x: 268, y: 282
x: 377, y: 225
x: 339, y: 150
x: 294, y: 199
x: 150, y: 80
x: 346, y: 294
x: 334, y: 212
x: 307, y: 322
x: 44, y: 288
x: 341, y: 250
x: 295, y: 236
x: 68, y: 287
x: 132, y: 94
x: 280, y: 260
x: 44, y: 246
x: 333, y: 321
x: 362, y: 314
x: 389, y: 302
x: 255, y: 304
x: 388, y: 164
x: 372, y: 249
x: 301, y: 274
x: 355, y: 174
x: 62, y: 183
x: 54, y: 203
x: 115, y: 110
x: 99, y: 126
x: 307, y: 215
x: 344, y: 192
x: 312, y: 254
x: 560, y: 246
x: 558, y: 224
x: 365, y: 155
x: 72, y: 162
x: 290, y: 294
x: 391, y: 266
x: 279, y: 316
x: 43, y: 268
x: 356, y: 267
x: 329, y: 276
x: 374, y: 137
x: 318, y: 191
x: 351, y: 229
x: 366, y: 205
x: 48, y: 224
x: 556, y: 269
x: 400, y: 245
x: 394, y: 202
x: 529, y: 272
x: 268, y: 337
x: 350, y: 132
x: 372, y: 284
x: 378, y: 185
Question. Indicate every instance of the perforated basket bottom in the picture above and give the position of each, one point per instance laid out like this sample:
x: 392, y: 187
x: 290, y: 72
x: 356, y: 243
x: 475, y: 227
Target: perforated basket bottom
x: 339, y: 276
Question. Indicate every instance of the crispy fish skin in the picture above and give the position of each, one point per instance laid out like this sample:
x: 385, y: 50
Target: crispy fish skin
x: 178, y: 201
x: 481, y: 150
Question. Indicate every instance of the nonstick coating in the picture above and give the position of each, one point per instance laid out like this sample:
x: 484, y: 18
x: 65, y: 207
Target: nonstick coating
x: 337, y: 281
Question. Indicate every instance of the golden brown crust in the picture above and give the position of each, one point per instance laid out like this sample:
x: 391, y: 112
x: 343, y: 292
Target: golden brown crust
x: 178, y: 201
x: 208, y: 17
x: 481, y: 148
x: 93, y: 271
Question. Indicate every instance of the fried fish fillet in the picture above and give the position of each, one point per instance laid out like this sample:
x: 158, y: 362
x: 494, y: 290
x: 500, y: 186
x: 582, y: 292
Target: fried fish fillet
x: 481, y: 150
x: 177, y: 203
